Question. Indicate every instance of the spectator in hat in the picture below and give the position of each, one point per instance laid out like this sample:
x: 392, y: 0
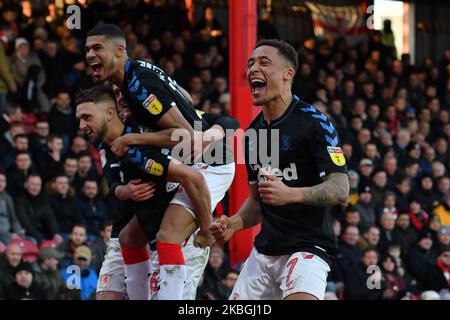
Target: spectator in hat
x: 438, y: 276
x: 425, y: 194
x: 443, y: 210
x: 10, y: 227
x: 366, y: 211
x: 365, y: 169
x: 48, y: 276
x: 442, y: 238
x: 8, y: 263
x: 88, y: 282
x: 404, y: 232
x: 421, y: 257
x: 24, y: 287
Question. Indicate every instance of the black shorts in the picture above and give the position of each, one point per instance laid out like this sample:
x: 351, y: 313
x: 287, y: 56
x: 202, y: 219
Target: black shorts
x: 150, y: 214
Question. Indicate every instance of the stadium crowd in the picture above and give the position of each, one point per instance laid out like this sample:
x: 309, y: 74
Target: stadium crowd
x: 392, y: 117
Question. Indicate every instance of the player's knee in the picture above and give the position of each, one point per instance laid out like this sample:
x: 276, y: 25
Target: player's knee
x: 132, y: 238
x: 163, y: 236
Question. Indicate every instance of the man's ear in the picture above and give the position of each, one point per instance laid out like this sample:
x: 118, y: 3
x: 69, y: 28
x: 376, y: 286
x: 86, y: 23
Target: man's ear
x: 120, y: 50
x: 289, y: 74
x: 109, y: 112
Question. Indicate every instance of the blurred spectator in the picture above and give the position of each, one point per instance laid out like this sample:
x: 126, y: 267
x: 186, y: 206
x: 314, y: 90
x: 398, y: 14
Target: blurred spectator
x: 438, y: 276
x: 18, y: 173
x: 214, y: 274
x: 352, y: 218
x: 370, y: 239
x: 62, y: 118
x: 356, y: 284
x: 20, y: 144
x: 394, y: 284
x: 85, y: 170
x: 419, y: 218
x: 229, y: 281
x: 77, y: 237
x: 24, y: 286
x: 88, y: 282
x: 92, y: 207
x: 425, y: 194
x: 442, y: 239
x: 7, y: 82
x: 63, y: 204
x: 35, y: 214
x: 404, y: 233
x: 266, y: 29
x: 348, y: 253
x: 10, y: 227
x: 387, y: 234
x: 421, y: 257
x: 50, y: 162
x: 99, y: 246
x: 70, y: 168
x: 29, y: 74
x: 8, y: 264
x: 48, y: 276
x: 443, y: 210
x: 38, y: 139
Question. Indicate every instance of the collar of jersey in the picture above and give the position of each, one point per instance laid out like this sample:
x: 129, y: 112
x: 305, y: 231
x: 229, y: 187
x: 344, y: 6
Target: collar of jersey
x: 294, y: 102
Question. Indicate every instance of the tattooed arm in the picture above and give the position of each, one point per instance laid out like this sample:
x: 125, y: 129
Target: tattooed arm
x: 334, y: 190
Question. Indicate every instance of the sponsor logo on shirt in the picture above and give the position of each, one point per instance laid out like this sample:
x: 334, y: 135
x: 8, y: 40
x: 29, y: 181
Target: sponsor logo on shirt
x: 337, y: 155
x: 154, y: 168
x: 152, y: 104
x: 288, y: 174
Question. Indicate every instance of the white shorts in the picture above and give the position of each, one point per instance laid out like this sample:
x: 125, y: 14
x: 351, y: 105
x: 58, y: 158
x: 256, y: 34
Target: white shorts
x: 112, y: 273
x: 276, y: 277
x: 196, y: 260
x: 217, y: 178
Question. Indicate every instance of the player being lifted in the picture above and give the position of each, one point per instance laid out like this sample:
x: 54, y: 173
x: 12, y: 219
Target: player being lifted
x: 158, y: 103
x: 293, y: 251
x: 96, y: 110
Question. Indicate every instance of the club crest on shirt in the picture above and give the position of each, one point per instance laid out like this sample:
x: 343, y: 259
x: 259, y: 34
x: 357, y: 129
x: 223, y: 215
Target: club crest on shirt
x: 154, y: 168
x: 337, y: 155
x: 152, y: 104
x: 286, y: 142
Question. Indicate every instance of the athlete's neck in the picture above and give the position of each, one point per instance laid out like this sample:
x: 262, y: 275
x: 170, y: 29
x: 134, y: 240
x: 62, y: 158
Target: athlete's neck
x: 115, y: 129
x: 275, y: 108
x: 118, y: 76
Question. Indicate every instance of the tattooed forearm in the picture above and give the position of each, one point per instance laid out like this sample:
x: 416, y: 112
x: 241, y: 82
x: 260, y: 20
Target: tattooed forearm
x: 334, y: 190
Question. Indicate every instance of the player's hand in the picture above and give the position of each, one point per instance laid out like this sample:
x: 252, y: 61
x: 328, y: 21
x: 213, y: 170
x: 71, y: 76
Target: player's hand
x: 120, y: 146
x: 204, y: 239
x: 222, y: 229
x: 274, y: 191
x: 139, y: 191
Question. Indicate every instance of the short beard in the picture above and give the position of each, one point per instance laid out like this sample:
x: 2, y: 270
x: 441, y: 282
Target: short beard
x: 102, y: 133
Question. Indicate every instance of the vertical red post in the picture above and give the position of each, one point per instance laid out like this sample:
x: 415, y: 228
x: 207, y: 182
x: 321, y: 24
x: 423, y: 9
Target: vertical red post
x: 242, y: 40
